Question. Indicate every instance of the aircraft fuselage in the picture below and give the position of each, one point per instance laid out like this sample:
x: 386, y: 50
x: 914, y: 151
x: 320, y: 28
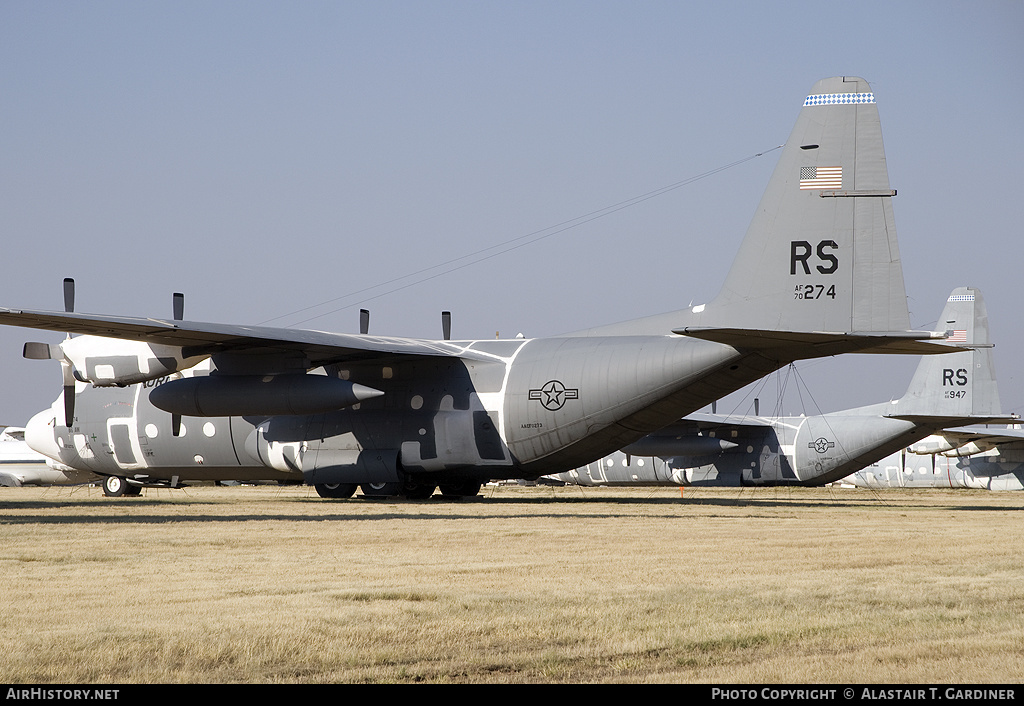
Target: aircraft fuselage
x: 505, y: 409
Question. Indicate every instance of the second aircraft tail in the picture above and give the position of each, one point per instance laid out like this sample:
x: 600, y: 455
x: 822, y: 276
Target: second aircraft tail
x: 961, y: 384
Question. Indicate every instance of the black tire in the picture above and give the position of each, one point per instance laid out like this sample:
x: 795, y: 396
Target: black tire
x: 114, y: 486
x: 335, y: 490
x: 417, y: 491
x: 466, y: 489
x: 381, y: 490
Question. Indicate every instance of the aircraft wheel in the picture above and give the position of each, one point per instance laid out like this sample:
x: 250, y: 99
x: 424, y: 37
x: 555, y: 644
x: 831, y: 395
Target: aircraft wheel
x: 335, y: 490
x: 132, y: 490
x: 114, y: 486
x: 381, y: 490
x: 466, y: 489
x: 417, y: 491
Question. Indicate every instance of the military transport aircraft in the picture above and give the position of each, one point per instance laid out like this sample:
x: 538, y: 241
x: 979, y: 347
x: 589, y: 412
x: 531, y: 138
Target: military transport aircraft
x: 818, y: 274
x: 967, y: 457
x: 719, y: 450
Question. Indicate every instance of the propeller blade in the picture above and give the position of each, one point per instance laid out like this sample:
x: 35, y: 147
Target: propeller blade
x: 69, y: 295
x: 364, y: 321
x: 41, y: 351
x: 69, y: 392
x: 178, y: 307
x: 69, y: 405
x: 446, y: 324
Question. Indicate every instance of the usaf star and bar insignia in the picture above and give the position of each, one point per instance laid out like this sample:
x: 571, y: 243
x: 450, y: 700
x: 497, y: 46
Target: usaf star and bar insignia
x: 554, y: 394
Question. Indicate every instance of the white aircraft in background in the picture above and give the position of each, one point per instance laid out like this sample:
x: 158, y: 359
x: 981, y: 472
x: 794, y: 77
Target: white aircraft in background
x: 985, y: 458
x: 20, y: 465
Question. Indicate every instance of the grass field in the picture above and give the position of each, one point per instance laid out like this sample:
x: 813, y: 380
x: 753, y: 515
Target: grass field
x: 271, y: 584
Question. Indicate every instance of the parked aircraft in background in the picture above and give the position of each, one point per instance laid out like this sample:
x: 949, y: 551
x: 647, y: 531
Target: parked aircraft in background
x: 20, y: 465
x: 979, y: 457
x: 947, y: 391
x: 818, y: 274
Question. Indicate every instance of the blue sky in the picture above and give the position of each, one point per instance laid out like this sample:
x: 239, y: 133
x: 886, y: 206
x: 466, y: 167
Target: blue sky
x: 290, y: 163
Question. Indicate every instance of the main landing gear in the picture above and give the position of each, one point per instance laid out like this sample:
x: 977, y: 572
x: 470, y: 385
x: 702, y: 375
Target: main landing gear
x: 116, y: 487
x: 335, y: 490
x: 408, y: 490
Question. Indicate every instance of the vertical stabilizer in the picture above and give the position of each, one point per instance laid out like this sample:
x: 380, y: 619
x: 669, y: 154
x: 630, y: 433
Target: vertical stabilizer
x: 961, y: 383
x: 821, y: 251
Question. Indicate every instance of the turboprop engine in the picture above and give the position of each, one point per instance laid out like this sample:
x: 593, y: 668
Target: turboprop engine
x: 951, y: 447
x: 110, y: 362
x: 106, y: 362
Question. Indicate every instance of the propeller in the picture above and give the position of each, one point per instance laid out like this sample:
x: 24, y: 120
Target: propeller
x: 67, y: 370
x: 46, y: 351
x: 178, y: 311
x: 446, y: 325
x: 61, y: 352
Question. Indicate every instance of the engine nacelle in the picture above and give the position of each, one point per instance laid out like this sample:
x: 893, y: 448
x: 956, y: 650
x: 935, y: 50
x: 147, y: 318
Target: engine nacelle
x: 107, y: 362
x: 934, y: 444
x: 971, y: 448
x: 245, y: 395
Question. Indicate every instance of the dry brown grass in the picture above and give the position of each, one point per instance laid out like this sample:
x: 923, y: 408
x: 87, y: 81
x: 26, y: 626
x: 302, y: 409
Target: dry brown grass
x: 269, y: 584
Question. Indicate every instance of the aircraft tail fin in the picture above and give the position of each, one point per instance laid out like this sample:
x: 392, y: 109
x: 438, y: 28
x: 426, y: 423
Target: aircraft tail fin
x: 959, y: 384
x: 821, y: 253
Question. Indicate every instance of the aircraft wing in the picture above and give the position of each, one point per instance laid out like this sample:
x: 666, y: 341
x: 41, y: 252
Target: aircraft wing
x: 208, y: 338
x: 695, y: 435
x: 989, y: 436
x: 933, y: 420
x: 693, y: 424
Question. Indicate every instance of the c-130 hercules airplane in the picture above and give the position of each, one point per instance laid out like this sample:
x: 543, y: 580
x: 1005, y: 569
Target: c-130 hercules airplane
x: 165, y: 401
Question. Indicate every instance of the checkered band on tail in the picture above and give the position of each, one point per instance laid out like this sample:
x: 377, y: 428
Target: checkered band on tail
x: 839, y: 99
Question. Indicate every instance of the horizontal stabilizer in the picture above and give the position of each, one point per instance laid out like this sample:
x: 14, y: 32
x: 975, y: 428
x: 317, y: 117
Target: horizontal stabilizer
x: 704, y: 421
x: 905, y: 342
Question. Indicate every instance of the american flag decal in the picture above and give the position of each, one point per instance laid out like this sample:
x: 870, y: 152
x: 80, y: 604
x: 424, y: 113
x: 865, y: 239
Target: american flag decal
x: 821, y: 177
x: 957, y: 336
